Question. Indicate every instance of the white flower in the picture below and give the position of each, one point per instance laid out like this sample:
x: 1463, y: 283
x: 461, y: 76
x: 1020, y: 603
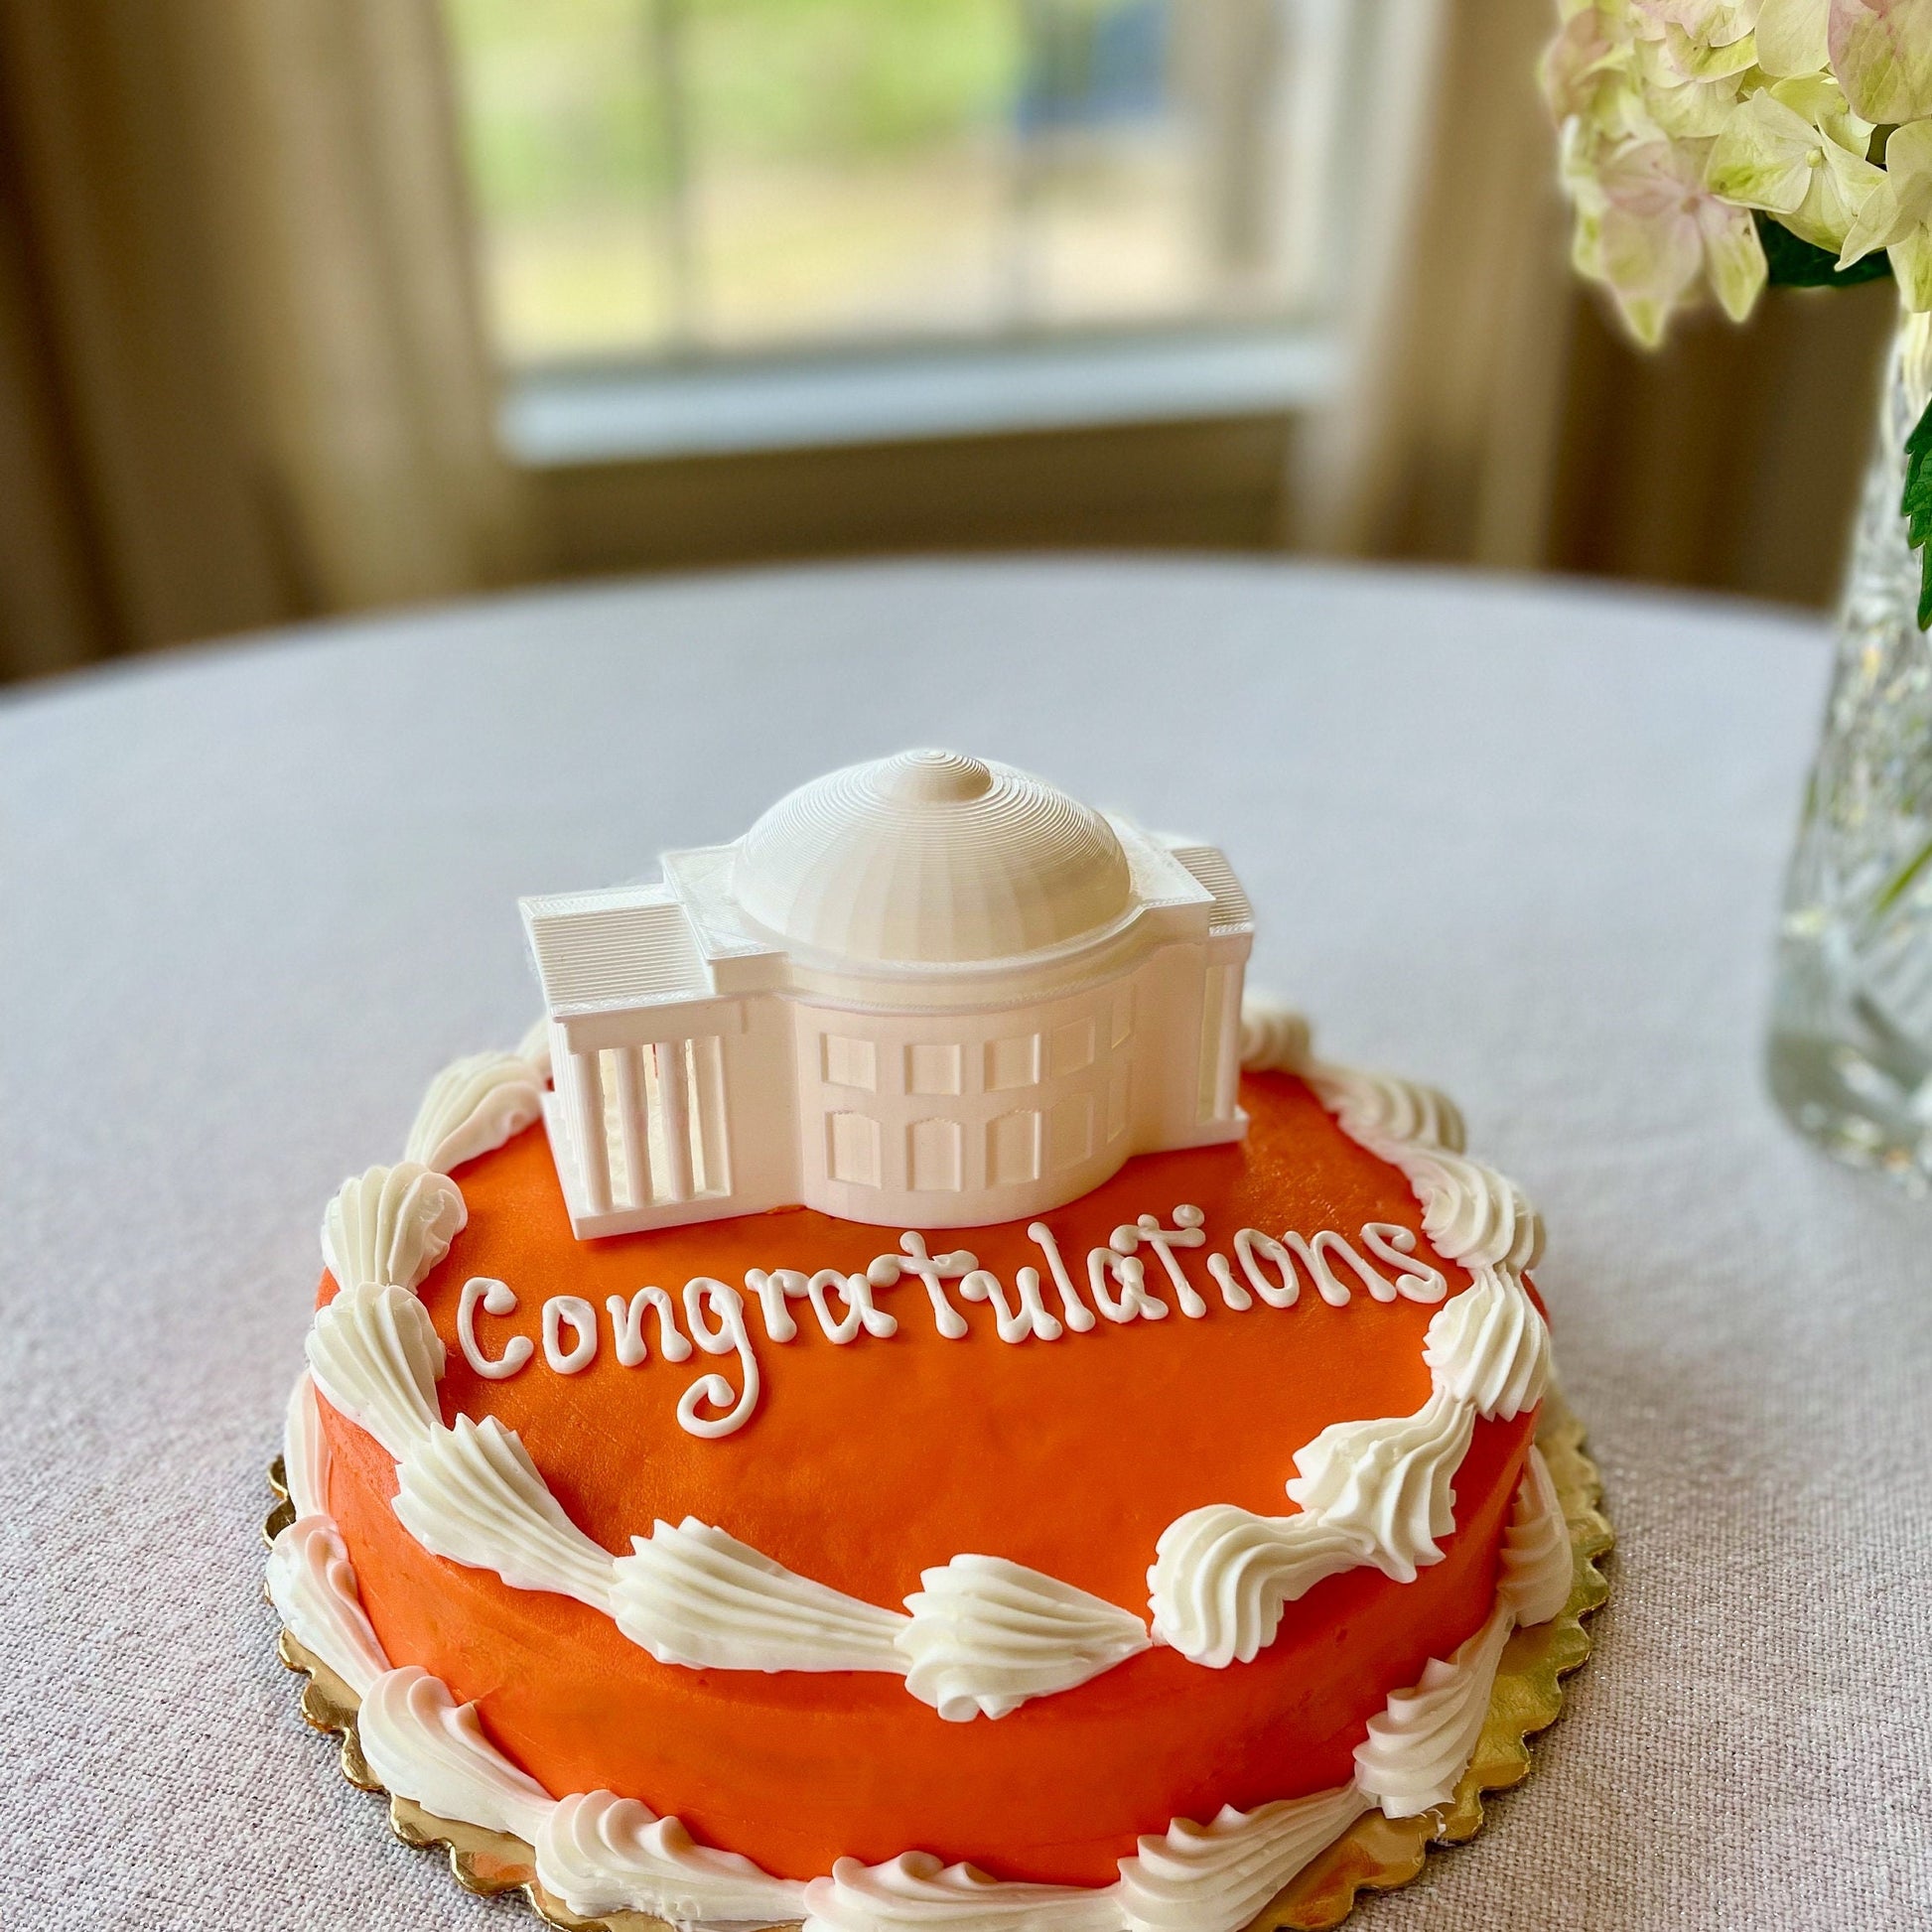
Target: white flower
x: 1798, y: 153
x: 1879, y: 51
x: 1792, y: 39
x: 1689, y: 88
x: 1656, y: 226
x: 1897, y: 215
x: 1882, y: 52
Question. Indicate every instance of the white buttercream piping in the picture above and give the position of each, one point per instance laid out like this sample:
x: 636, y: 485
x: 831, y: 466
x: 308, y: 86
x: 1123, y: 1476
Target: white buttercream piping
x: 1537, y: 1565
x: 693, y: 1596
x: 1214, y: 1878
x: 472, y: 1493
x: 390, y: 1224
x: 424, y: 1745
x: 474, y: 1106
x: 602, y: 1854
x: 1470, y: 1213
x: 987, y: 1634
x: 1223, y: 1575
x: 916, y: 1890
x: 1489, y: 1347
x: 1381, y: 1107
x: 305, y: 1452
x: 1388, y: 1482
x: 375, y: 1355
x: 312, y: 1586
x: 1418, y: 1748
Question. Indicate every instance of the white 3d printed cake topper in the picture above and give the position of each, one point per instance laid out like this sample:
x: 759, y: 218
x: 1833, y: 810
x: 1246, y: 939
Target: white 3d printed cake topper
x: 926, y: 991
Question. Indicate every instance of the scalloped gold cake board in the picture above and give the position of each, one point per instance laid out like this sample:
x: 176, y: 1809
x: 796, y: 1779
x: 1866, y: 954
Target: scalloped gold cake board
x: 1376, y: 1854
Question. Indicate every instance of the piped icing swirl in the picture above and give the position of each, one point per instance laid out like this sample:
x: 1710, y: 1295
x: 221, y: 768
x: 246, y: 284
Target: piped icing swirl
x: 305, y: 1452
x: 600, y: 1854
x: 424, y: 1745
x: 472, y: 1493
x: 1489, y: 1347
x: 1388, y: 1484
x: 1222, y: 1576
x: 373, y: 1353
x: 1222, y: 1874
x: 473, y: 1107
x: 1471, y: 1212
x: 987, y: 1634
x: 1537, y: 1565
x: 390, y: 1224
x: 312, y: 1586
x: 916, y: 1890
x: 1380, y: 1108
x: 1416, y: 1751
x: 691, y: 1594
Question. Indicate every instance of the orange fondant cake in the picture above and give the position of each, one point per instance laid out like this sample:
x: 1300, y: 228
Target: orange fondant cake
x: 1088, y: 1566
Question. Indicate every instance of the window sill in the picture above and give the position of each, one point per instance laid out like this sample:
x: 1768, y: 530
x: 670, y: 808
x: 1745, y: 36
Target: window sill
x: 554, y: 419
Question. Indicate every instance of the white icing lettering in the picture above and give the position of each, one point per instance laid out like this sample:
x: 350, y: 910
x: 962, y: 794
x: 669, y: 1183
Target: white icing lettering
x: 1187, y: 1232
x: 933, y: 1271
x: 716, y: 1313
x: 855, y: 1291
x: 582, y: 1318
x: 1131, y: 1274
x: 497, y: 1298
x: 1391, y: 1242
x: 628, y: 1328
x: 1329, y: 1243
x: 1232, y: 1292
x: 1251, y: 1248
x: 844, y: 1304
x: 1080, y: 1318
x: 773, y: 1286
x: 1014, y: 1323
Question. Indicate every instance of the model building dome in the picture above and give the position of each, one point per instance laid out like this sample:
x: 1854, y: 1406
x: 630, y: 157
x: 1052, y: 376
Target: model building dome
x: 928, y: 992
x: 930, y: 858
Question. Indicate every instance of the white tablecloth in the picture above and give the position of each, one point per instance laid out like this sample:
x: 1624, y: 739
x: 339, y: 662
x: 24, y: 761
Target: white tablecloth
x: 1523, y: 842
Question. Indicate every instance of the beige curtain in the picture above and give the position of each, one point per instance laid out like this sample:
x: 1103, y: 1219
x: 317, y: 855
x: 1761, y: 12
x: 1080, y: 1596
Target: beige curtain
x: 241, y: 373
x: 1494, y: 416
x: 1442, y: 443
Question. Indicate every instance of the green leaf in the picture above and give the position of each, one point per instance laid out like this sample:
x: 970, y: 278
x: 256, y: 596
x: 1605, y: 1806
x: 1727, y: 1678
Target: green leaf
x: 1796, y: 264
x: 1916, y: 505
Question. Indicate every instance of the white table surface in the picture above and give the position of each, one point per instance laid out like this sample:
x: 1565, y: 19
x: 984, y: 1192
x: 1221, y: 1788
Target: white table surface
x: 1524, y: 842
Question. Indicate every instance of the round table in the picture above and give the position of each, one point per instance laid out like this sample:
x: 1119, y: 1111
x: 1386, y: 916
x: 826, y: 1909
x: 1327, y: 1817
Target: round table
x: 1523, y: 841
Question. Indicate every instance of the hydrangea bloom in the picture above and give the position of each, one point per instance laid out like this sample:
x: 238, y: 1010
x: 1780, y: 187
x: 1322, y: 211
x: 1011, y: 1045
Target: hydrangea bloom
x: 1681, y: 118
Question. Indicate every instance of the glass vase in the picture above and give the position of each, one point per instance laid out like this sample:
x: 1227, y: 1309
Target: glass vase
x: 1851, y: 1049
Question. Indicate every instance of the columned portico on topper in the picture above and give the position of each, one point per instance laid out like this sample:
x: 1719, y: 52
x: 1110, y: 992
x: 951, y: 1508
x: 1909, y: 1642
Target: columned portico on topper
x: 926, y: 991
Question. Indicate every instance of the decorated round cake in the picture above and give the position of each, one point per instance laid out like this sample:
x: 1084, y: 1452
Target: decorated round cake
x: 908, y: 1401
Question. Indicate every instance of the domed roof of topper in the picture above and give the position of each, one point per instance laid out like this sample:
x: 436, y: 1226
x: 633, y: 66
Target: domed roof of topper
x: 930, y: 858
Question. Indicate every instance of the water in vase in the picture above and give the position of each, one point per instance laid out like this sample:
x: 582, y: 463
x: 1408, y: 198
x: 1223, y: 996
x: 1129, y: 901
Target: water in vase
x: 1850, y: 1052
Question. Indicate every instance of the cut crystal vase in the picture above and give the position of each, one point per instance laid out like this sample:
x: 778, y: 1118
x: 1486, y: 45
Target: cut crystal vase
x: 1851, y: 1049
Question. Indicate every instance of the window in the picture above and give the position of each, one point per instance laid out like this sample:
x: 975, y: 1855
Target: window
x: 1013, y: 1063
x: 935, y: 1150
x: 849, y: 1062
x: 749, y: 224
x: 852, y: 1149
x: 932, y: 1067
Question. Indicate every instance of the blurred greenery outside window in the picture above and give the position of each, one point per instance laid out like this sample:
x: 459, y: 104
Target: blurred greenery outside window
x: 746, y: 191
